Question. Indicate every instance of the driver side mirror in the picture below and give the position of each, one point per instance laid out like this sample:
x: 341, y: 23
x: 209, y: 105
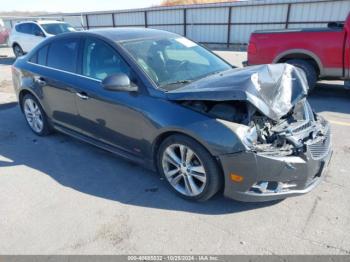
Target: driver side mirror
x: 119, y: 82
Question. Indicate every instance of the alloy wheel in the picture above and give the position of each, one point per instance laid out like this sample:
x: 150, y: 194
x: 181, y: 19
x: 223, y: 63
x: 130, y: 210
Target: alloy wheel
x: 184, y: 170
x: 33, y: 115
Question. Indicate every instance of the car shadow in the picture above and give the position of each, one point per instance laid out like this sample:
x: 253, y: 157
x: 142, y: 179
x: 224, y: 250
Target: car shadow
x: 4, y: 60
x: 93, y: 171
x: 8, y: 105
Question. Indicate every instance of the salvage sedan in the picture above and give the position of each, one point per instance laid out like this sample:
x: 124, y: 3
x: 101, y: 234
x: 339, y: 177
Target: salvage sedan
x: 167, y: 103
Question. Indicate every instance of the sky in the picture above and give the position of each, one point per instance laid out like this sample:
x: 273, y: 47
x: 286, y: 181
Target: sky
x: 73, y: 5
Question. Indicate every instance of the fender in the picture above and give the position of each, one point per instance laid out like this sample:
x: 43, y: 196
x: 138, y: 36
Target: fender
x: 300, y: 51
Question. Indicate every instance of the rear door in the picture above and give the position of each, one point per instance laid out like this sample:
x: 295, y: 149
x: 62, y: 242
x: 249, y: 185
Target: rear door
x: 57, y: 79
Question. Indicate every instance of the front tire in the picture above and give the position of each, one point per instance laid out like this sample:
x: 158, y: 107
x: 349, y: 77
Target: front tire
x: 190, y: 170
x: 35, y: 116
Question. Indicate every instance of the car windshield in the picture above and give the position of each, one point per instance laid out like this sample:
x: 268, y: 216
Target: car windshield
x: 173, y: 62
x: 59, y: 28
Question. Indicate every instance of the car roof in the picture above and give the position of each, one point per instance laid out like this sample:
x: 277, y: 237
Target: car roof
x: 41, y: 22
x: 131, y: 33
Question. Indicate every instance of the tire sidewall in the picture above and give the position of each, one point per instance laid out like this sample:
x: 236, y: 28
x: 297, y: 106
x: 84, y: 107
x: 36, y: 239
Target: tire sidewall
x: 309, y: 71
x: 206, y: 159
x: 17, y: 55
x: 46, y: 127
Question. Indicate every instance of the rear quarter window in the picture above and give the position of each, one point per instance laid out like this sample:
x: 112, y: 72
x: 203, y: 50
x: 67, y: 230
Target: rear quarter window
x: 25, y: 28
x: 40, y: 56
x: 63, y: 54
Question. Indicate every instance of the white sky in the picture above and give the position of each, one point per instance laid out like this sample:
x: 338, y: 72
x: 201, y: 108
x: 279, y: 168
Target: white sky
x: 73, y: 5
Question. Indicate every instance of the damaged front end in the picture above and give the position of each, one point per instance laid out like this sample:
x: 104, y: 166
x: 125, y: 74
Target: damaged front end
x: 287, y: 145
x: 288, y: 136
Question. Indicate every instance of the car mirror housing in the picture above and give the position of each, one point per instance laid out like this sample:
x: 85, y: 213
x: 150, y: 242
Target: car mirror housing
x: 119, y: 82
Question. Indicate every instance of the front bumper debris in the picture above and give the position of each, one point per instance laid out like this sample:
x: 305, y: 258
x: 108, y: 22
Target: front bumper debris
x: 269, y: 178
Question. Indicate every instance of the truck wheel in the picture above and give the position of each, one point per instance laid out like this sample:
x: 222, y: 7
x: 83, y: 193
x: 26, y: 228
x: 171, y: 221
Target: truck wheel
x: 309, y: 70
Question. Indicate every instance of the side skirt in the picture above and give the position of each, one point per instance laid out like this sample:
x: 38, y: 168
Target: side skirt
x: 104, y: 146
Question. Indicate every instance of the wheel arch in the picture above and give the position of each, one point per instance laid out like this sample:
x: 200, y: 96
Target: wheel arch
x: 24, y: 92
x: 300, y: 54
x: 15, y: 43
x: 164, y: 135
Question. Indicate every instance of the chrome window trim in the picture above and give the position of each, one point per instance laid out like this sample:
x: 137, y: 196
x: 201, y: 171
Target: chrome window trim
x: 63, y: 71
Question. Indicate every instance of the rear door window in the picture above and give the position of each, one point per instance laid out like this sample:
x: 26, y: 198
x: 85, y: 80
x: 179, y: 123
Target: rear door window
x: 63, y: 54
x: 36, y: 30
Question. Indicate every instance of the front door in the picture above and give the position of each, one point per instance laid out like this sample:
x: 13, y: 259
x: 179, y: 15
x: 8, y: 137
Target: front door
x: 112, y: 117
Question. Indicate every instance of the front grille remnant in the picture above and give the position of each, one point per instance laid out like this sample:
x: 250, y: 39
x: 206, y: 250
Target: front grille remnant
x: 302, y: 127
x: 320, y: 148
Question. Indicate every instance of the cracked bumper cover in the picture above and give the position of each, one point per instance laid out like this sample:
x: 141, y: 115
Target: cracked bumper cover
x: 303, y: 172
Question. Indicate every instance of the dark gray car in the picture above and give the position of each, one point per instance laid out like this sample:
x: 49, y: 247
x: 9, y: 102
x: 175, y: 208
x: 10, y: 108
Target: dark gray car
x: 167, y: 103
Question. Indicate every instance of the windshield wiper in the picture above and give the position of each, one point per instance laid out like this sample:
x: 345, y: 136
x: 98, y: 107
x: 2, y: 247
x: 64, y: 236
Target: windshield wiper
x: 178, y: 82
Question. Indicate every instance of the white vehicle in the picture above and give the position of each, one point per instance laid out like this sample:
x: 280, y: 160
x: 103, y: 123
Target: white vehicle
x: 26, y: 35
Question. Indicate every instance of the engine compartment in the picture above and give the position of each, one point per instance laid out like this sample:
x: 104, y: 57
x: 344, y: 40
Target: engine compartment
x: 287, y: 136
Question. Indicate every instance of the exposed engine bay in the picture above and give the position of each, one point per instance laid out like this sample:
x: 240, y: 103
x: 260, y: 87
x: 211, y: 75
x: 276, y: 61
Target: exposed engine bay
x: 287, y: 136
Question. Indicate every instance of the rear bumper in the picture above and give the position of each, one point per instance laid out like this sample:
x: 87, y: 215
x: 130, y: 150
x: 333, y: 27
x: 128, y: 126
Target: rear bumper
x: 286, y: 176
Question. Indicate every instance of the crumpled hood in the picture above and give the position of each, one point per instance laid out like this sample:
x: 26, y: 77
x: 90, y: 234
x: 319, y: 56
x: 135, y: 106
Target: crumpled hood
x: 272, y: 89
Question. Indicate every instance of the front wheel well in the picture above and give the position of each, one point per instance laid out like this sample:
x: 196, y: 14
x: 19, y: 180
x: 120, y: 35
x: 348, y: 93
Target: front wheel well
x: 158, y: 141
x: 301, y: 56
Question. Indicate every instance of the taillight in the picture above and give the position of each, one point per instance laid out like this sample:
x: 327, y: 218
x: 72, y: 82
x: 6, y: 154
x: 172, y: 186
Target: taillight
x: 252, y: 48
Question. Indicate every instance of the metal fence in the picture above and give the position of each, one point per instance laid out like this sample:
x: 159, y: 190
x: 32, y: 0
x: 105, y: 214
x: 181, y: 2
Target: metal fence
x: 225, y: 24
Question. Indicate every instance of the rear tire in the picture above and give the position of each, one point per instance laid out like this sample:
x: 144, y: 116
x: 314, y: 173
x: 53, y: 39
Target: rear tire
x: 193, y: 172
x: 35, y: 116
x: 17, y: 50
x: 308, y: 69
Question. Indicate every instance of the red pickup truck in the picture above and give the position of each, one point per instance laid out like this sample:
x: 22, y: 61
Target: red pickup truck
x: 323, y: 53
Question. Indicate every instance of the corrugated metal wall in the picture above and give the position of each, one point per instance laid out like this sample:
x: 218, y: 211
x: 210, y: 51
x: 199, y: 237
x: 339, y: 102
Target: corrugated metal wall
x: 221, y: 23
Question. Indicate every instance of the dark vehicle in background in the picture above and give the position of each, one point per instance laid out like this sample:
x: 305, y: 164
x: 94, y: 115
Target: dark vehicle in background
x: 167, y: 103
x: 26, y: 35
x: 323, y: 53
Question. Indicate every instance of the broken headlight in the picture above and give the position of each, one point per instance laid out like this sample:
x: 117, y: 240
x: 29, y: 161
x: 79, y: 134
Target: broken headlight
x: 248, y: 135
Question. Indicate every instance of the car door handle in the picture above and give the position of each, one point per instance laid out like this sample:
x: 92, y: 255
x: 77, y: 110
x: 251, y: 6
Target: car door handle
x: 82, y: 95
x: 40, y: 80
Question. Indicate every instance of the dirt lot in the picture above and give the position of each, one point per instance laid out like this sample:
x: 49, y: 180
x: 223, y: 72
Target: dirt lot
x: 61, y: 196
